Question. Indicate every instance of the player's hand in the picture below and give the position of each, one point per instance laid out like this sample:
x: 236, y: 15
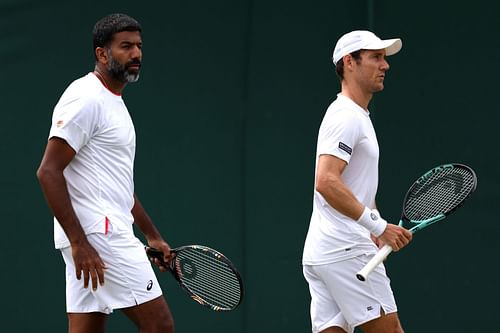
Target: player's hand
x: 163, y: 246
x: 378, y: 242
x: 395, y: 236
x: 88, y: 262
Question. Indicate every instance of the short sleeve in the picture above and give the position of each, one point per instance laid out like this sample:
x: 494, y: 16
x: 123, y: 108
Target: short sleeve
x: 75, y: 121
x: 338, y: 135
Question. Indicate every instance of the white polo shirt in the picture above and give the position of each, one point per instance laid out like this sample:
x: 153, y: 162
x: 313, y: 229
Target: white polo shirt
x: 96, y: 124
x: 347, y: 133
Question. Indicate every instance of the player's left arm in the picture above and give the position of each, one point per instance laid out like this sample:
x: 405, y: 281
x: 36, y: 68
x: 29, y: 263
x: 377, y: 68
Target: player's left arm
x: 149, y: 230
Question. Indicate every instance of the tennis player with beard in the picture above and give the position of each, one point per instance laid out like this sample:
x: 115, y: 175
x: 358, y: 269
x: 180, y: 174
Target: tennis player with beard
x: 86, y: 175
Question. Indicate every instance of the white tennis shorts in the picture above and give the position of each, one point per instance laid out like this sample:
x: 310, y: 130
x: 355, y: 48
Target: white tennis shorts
x: 338, y: 298
x: 129, y: 279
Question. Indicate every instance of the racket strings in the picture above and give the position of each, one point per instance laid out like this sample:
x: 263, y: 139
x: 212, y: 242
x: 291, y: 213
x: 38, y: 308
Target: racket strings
x: 209, y: 277
x: 439, y: 193
x: 211, y: 289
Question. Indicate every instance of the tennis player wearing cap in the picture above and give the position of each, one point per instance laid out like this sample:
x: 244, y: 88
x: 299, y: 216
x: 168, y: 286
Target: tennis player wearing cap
x: 345, y: 227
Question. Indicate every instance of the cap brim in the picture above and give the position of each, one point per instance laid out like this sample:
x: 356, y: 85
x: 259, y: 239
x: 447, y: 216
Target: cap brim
x: 391, y: 46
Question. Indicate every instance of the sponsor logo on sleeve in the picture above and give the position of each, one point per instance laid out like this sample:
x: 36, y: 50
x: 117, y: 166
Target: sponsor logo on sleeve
x: 345, y: 148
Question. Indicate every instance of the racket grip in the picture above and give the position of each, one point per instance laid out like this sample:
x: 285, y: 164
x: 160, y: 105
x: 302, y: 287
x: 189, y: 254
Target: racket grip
x: 374, y: 262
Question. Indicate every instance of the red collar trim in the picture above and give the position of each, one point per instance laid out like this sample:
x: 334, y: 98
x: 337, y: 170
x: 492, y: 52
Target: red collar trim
x: 104, y: 84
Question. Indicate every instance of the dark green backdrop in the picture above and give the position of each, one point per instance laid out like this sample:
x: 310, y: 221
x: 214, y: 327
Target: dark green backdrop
x: 226, y: 111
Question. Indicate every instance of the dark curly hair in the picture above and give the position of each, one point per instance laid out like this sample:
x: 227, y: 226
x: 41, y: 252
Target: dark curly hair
x: 108, y: 26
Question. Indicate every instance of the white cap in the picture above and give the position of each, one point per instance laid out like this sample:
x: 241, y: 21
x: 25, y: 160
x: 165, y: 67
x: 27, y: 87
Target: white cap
x: 364, y: 40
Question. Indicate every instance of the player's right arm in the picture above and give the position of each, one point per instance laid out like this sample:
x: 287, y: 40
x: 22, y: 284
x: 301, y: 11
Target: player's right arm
x: 330, y: 185
x: 58, y: 154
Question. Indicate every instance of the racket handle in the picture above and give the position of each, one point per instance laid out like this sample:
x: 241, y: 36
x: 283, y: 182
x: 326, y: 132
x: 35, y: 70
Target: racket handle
x: 374, y: 262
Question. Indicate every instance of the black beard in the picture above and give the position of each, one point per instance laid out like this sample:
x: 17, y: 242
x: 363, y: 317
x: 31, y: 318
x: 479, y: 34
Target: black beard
x: 120, y: 72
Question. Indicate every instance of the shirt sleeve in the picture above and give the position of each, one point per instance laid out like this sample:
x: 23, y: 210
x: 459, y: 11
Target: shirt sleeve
x: 338, y: 135
x: 75, y: 121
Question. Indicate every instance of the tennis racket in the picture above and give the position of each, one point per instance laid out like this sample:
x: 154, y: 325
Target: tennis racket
x: 432, y: 197
x: 205, y: 274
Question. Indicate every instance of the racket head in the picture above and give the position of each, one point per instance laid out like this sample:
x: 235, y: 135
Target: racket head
x: 208, y: 276
x: 438, y: 193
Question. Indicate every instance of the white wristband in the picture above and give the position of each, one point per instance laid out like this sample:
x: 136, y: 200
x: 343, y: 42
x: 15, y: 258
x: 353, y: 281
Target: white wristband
x: 373, y: 222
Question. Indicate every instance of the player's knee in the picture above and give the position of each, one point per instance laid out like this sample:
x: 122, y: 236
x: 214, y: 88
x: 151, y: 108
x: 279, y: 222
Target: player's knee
x: 161, y: 323
x: 169, y: 326
x: 398, y: 329
x: 166, y: 324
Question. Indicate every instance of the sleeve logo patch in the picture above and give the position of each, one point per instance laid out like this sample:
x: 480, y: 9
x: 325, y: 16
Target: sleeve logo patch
x: 345, y: 148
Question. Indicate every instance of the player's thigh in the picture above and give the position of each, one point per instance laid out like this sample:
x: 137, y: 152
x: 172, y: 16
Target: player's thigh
x: 129, y: 278
x: 87, y: 322
x: 386, y: 323
x: 326, y: 316
x: 359, y: 302
x: 152, y: 316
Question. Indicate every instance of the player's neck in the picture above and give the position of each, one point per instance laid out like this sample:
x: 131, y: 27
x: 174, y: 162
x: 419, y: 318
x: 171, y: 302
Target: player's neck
x: 113, y: 85
x: 357, y: 95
